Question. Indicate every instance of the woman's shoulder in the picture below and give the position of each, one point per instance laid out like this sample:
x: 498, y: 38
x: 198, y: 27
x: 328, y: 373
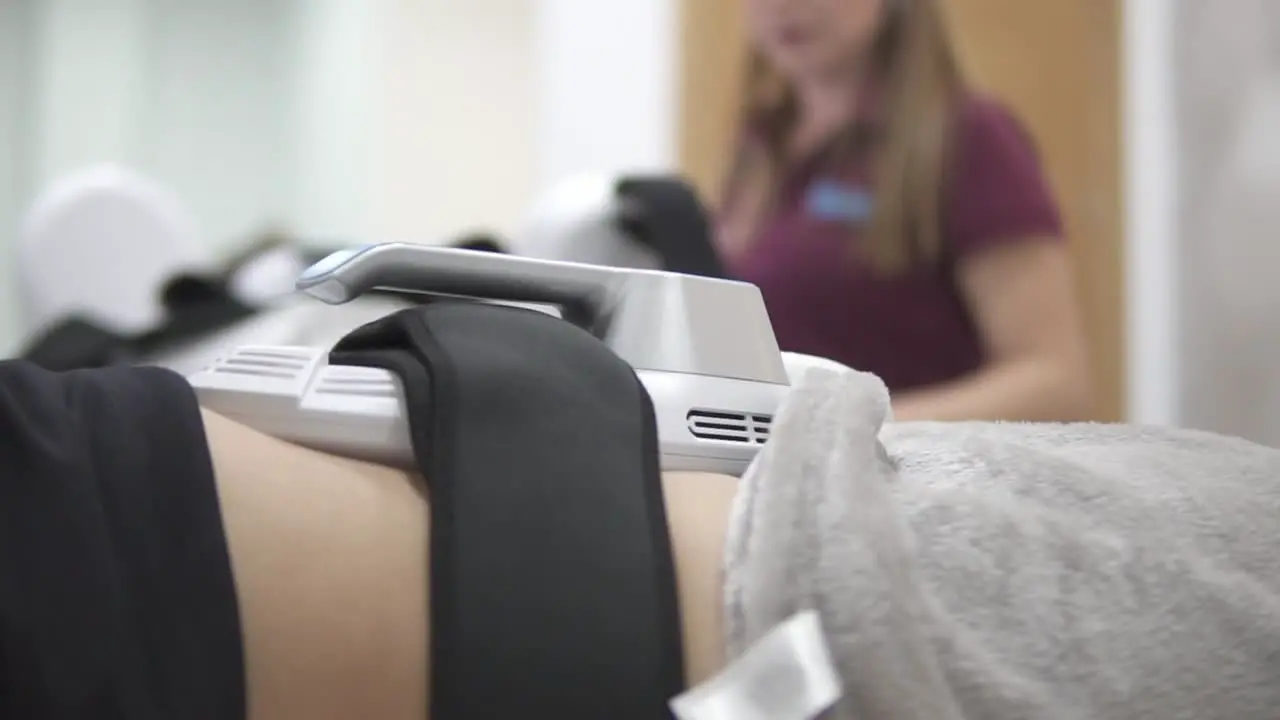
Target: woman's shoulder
x: 981, y: 117
x: 997, y: 188
x: 982, y: 105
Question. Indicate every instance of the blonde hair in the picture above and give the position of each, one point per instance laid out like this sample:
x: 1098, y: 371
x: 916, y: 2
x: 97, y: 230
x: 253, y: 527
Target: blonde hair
x: 915, y: 69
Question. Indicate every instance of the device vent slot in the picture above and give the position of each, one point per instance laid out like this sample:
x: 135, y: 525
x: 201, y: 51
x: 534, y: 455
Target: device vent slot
x: 760, y: 425
x: 255, y: 370
x: 260, y: 368
x: 299, y: 355
x: 275, y: 363
x: 728, y: 426
x: 263, y: 363
x: 357, y: 381
x: 358, y: 392
x: 357, y: 387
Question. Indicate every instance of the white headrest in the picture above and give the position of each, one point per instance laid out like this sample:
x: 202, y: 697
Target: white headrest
x: 101, y: 243
x: 577, y: 220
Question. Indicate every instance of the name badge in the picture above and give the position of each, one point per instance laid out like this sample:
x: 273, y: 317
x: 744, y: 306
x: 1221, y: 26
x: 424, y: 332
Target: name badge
x: 835, y: 201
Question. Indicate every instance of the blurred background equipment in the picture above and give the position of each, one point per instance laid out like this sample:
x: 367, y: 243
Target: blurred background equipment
x: 655, y: 222
x: 151, y: 293
x: 114, y: 270
x: 97, y: 244
x: 348, y: 120
x: 578, y: 220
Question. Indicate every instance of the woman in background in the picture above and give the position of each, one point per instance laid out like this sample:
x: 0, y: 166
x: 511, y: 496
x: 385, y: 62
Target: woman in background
x: 898, y: 222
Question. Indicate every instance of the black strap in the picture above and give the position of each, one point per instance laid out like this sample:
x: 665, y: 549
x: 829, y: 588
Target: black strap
x: 666, y: 215
x: 116, y: 593
x: 75, y: 343
x: 552, y: 583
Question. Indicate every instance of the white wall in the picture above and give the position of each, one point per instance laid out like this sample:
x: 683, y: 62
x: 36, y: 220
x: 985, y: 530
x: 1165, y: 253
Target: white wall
x: 609, y: 83
x: 453, y: 140
x: 1151, y: 166
x: 213, y: 115
x: 1203, y: 249
x: 88, y: 69
x: 14, y: 134
x: 485, y: 103
x: 1228, y: 242
x: 191, y: 92
x: 335, y: 71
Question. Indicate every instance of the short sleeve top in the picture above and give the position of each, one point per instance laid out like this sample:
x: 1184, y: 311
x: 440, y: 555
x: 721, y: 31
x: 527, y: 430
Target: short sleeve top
x: 912, y: 328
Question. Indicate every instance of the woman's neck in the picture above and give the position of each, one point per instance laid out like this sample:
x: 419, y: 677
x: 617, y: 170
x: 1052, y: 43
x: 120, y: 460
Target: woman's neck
x: 826, y: 104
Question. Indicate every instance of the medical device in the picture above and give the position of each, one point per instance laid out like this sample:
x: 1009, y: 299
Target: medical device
x: 703, y: 348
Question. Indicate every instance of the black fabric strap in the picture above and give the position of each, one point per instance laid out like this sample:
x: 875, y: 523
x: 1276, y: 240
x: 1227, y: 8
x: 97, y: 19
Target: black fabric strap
x: 117, y: 598
x: 552, y: 583
x: 75, y: 343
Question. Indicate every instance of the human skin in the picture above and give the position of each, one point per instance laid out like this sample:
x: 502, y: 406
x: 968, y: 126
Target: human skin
x: 330, y: 557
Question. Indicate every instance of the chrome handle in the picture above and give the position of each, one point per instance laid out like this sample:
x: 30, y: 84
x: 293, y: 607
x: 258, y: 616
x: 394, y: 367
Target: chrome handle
x: 348, y: 274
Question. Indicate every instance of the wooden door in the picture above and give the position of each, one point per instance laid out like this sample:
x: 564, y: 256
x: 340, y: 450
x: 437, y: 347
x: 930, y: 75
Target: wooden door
x: 1056, y: 62
x: 713, y: 57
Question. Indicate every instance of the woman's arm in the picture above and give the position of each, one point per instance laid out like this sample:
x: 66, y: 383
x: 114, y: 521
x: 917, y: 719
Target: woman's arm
x: 330, y: 559
x: 1023, y: 300
x: 1004, y: 233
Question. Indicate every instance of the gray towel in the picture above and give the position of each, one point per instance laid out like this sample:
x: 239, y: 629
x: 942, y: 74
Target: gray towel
x: 1000, y: 571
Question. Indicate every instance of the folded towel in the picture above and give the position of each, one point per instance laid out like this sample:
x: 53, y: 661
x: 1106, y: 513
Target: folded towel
x: 1007, y: 570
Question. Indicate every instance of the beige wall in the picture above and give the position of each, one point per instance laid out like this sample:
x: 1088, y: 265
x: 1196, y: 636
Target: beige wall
x: 1228, y: 245
x: 453, y: 123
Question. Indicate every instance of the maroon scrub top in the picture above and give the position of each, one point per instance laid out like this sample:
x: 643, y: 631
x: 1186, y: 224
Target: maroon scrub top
x: 912, y: 329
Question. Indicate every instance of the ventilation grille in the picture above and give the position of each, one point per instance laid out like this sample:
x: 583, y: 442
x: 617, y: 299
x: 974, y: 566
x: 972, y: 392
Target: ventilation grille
x: 265, y: 363
x: 727, y: 426
x: 357, y: 382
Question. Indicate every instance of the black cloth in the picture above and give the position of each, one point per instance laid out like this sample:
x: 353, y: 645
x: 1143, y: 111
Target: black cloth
x: 666, y: 215
x: 116, y: 592
x: 75, y: 343
x: 552, y: 582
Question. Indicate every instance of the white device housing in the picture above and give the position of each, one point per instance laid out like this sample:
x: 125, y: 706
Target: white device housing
x: 704, y: 423
x: 703, y: 348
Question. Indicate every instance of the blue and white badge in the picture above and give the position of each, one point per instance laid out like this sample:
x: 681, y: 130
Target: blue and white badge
x: 835, y: 201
